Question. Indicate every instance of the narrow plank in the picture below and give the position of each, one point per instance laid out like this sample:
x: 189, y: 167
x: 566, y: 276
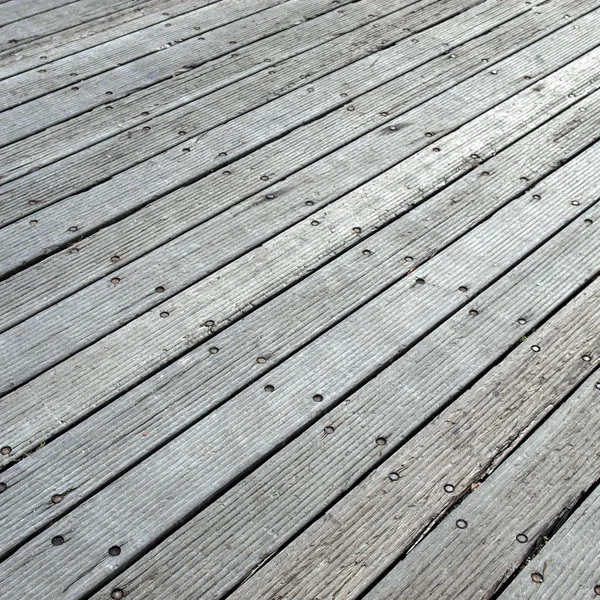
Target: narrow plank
x: 118, y: 360
x: 240, y: 436
x: 567, y: 562
x: 320, y: 46
x: 59, y: 19
x: 275, y: 330
x: 190, y: 160
x: 41, y: 51
x: 14, y: 10
x: 527, y: 496
x: 247, y: 22
x: 56, y: 277
x: 235, y: 535
x: 58, y: 106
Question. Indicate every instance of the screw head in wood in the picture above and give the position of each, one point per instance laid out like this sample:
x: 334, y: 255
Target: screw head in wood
x: 3, y: 486
x: 114, y: 550
x: 535, y: 348
x: 537, y: 577
x: 164, y: 314
x: 366, y: 252
x: 318, y: 398
x: 160, y: 289
x: 329, y: 430
x: 115, y: 280
x: 261, y: 360
x: 213, y: 350
x: 448, y: 488
x: 269, y: 388
x: 270, y: 196
x: 419, y: 280
x: 473, y: 312
x: 522, y: 538
x: 463, y: 289
x: 522, y: 321
x: 461, y: 524
x: 393, y: 476
x: 57, y: 499
x: 57, y: 540
x: 597, y: 590
x: 586, y: 358
x: 381, y: 441
x: 117, y: 594
x: 356, y: 230
x: 115, y: 258
x: 5, y: 450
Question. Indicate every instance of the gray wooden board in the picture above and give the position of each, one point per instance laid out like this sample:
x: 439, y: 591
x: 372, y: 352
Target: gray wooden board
x: 257, y: 19
x: 231, y: 538
x: 60, y: 105
x: 527, y: 495
x: 13, y: 10
x: 133, y: 511
x: 59, y: 141
x: 59, y: 19
x: 87, y: 318
x: 136, y: 350
x: 56, y: 277
x: 262, y: 82
x: 41, y: 51
x: 146, y: 181
x: 80, y: 471
x: 28, y: 291
x: 569, y: 562
x: 176, y: 397
x: 319, y: 55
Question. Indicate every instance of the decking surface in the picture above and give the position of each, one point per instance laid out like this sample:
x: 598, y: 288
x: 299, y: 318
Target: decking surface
x: 300, y: 299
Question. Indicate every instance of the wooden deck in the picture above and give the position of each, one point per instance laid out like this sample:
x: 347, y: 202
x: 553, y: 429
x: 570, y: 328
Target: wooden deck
x: 300, y: 299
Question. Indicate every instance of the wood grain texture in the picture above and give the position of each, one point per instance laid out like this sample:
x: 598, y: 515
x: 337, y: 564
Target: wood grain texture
x: 267, y: 270
x: 174, y: 57
x: 533, y: 491
x: 51, y: 280
x: 568, y: 562
x: 227, y: 442
x: 218, y: 91
x: 177, y: 396
x: 349, y: 547
x: 43, y: 50
x: 230, y: 21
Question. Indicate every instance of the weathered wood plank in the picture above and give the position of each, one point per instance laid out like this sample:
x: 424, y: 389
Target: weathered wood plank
x: 59, y: 106
x: 58, y: 19
x: 246, y: 22
x: 190, y: 160
x: 203, y: 91
x: 41, y: 51
x: 29, y: 291
x: 527, y: 496
x: 136, y: 350
x: 176, y: 397
x: 217, y: 448
x: 14, y: 10
x: 568, y: 563
x: 231, y: 538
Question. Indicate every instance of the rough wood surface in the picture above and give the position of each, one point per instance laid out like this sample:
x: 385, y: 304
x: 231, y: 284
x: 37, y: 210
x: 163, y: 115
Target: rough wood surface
x: 232, y: 439
x: 137, y: 349
x: 122, y: 420
x: 354, y: 542
x: 54, y: 278
x: 568, y: 563
x: 274, y: 321
x: 278, y: 329
x: 528, y: 496
x: 41, y: 51
x: 205, y: 91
